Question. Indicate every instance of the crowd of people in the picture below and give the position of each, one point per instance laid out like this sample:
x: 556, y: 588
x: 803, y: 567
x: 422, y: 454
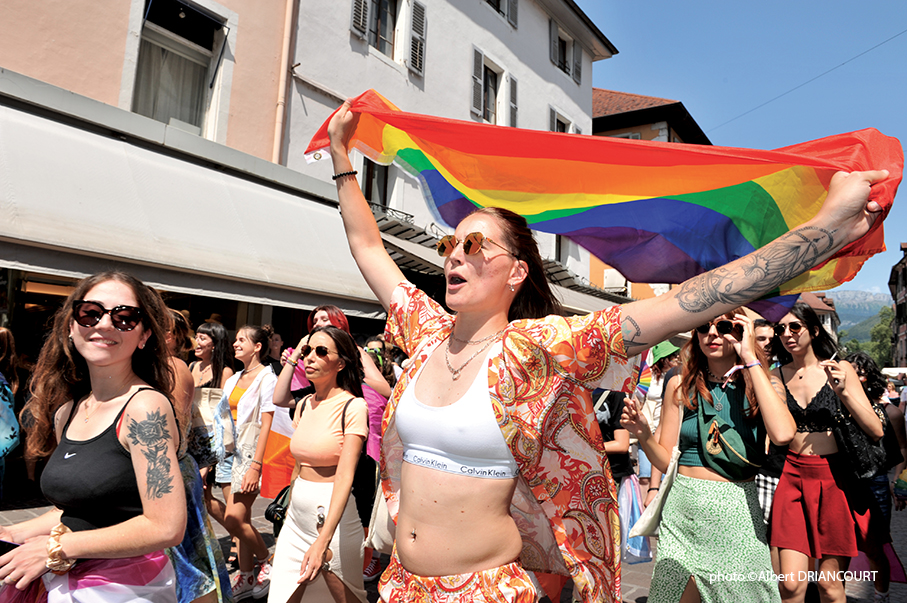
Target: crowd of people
x: 491, y: 460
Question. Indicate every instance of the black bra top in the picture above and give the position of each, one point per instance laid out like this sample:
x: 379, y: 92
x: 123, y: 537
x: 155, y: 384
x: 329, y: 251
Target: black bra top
x: 819, y: 414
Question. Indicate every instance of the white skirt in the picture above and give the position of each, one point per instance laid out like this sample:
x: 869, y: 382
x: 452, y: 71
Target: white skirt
x: 299, y: 532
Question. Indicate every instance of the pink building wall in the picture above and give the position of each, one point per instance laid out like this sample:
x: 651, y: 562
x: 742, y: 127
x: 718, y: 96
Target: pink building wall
x: 81, y: 47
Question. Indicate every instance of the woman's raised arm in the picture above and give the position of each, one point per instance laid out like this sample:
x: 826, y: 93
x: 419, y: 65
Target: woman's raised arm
x: 845, y: 216
x: 380, y: 271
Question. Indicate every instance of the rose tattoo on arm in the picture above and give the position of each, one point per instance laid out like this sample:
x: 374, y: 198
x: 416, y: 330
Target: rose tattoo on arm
x: 153, y: 435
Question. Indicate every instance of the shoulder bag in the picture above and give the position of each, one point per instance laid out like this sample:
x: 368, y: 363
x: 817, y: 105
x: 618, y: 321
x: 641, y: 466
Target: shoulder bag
x: 866, y: 457
x: 647, y: 525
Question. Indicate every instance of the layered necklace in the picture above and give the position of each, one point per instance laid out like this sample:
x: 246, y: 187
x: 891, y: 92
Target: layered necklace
x: 487, y: 341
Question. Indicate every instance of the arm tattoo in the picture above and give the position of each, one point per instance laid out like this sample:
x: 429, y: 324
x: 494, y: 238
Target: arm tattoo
x: 152, y: 433
x: 759, y: 272
x: 630, y: 330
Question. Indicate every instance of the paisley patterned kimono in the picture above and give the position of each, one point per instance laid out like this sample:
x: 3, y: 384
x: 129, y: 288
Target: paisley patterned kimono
x: 565, y: 504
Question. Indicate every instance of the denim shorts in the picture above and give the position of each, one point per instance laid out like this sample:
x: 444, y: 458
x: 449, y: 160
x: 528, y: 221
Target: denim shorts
x: 223, y: 472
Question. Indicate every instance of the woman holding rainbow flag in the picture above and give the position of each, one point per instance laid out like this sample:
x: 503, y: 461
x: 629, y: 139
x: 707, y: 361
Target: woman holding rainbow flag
x: 491, y: 464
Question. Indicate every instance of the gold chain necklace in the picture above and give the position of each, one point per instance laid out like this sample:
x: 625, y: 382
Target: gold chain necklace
x: 455, y: 372
x: 89, y: 414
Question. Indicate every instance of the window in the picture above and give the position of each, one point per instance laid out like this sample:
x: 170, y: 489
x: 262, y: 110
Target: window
x: 382, y: 21
x: 486, y: 79
x: 513, y: 107
x: 507, y: 8
x: 490, y: 95
x: 376, y: 22
x: 565, y: 52
x: 176, y: 52
x: 374, y: 186
x: 629, y: 135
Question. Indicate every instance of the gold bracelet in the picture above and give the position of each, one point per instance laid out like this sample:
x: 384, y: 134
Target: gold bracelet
x: 57, y: 562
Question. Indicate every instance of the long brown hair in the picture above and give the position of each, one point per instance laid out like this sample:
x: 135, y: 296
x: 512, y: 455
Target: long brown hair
x: 61, y: 373
x: 693, y: 380
x: 534, y: 299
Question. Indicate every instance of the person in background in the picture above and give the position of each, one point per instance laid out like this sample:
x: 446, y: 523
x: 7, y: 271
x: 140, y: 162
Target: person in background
x: 212, y: 369
x: 322, y: 535
x: 249, y: 395
x: 891, y: 392
x: 365, y: 480
x: 711, y: 521
x: 102, y: 414
x: 765, y: 336
x: 275, y: 349
x: 813, y: 512
x: 881, y: 485
x: 9, y: 385
x: 903, y: 396
x: 665, y: 356
x: 380, y: 353
x: 201, y: 574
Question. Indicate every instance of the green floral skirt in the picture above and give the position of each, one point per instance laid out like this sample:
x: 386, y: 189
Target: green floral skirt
x: 714, y: 532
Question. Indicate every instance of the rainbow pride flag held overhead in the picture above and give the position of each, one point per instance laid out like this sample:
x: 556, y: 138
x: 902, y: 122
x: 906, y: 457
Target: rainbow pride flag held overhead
x: 658, y: 212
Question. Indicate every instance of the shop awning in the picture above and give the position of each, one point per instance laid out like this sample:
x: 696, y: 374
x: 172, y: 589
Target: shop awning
x: 74, y: 201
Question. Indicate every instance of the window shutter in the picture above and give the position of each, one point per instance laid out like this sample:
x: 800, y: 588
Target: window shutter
x: 417, y: 39
x: 552, y: 119
x: 512, y: 102
x: 552, y: 40
x: 512, y: 11
x: 359, y: 18
x: 577, y: 63
x: 478, y: 64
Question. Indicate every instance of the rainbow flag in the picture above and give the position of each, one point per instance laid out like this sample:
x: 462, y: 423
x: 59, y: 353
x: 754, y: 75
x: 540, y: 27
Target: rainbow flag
x: 658, y: 212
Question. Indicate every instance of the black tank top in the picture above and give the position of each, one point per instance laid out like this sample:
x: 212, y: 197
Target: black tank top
x: 93, y: 481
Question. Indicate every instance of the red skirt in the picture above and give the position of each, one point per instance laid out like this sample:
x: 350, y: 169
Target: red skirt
x: 810, y: 511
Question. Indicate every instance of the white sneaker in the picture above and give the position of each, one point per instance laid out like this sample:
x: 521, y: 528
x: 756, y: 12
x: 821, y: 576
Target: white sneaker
x: 263, y: 583
x: 242, y: 585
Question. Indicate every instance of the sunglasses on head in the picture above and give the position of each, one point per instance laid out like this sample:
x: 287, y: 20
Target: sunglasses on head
x: 320, y: 351
x: 794, y: 326
x: 472, y: 244
x: 723, y: 327
x: 89, y: 314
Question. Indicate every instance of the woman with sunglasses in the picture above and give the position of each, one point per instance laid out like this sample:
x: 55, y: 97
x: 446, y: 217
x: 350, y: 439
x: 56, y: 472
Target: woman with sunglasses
x: 322, y: 534
x: 711, y: 522
x: 490, y: 452
x: 101, y: 414
x: 249, y: 395
x: 375, y: 391
x: 811, y: 515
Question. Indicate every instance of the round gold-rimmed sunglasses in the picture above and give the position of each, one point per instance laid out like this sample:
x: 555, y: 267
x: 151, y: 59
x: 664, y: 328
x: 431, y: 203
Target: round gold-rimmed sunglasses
x: 472, y: 244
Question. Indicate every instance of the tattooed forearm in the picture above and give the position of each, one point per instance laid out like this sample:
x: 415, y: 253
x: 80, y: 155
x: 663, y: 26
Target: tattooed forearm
x: 761, y: 271
x: 631, y: 332
x: 153, y: 435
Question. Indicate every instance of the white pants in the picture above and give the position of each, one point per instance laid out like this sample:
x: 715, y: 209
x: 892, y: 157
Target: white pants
x: 299, y: 532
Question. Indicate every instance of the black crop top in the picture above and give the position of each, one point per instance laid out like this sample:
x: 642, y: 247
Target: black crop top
x: 819, y: 414
x: 92, y: 481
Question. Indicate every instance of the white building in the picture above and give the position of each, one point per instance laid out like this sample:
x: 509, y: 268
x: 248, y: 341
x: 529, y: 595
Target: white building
x: 523, y: 63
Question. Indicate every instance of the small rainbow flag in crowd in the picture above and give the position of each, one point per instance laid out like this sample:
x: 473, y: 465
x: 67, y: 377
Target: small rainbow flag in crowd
x: 658, y: 212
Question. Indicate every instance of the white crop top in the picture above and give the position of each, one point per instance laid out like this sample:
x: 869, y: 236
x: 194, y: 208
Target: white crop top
x: 462, y: 438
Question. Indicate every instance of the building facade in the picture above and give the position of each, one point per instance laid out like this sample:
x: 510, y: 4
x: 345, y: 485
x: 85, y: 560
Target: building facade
x: 166, y: 138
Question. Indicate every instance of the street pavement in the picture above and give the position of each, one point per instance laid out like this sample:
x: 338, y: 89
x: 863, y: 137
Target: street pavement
x: 635, y: 578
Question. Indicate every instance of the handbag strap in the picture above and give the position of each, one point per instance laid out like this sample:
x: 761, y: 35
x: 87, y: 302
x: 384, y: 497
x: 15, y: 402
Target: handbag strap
x: 342, y: 417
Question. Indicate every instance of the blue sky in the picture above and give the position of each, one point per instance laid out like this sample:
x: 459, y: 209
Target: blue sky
x: 722, y: 59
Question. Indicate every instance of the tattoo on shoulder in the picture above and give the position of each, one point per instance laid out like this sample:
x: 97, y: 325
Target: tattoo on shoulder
x: 760, y: 272
x: 631, y: 332
x: 152, y: 434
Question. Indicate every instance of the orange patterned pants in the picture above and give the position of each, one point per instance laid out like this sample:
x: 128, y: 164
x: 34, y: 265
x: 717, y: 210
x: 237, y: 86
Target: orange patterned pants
x: 505, y: 584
